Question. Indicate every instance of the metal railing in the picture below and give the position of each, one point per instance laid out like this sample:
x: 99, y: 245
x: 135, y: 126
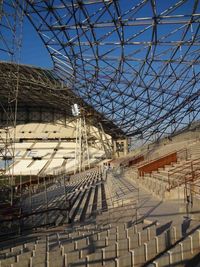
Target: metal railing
x: 154, y: 165
x: 181, y: 174
x: 17, y: 224
x: 162, y: 161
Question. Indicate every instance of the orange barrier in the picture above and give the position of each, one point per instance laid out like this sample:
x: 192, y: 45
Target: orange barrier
x: 156, y: 164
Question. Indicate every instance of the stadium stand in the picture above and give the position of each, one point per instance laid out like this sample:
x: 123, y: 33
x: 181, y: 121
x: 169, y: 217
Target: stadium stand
x: 48, y: 157
x: 117, y: 237
x: 105, y: 197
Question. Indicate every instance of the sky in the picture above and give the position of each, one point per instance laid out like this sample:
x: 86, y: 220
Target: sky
x: 33, y: 51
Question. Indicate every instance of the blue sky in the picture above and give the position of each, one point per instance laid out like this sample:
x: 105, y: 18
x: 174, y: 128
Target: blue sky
x: 33, y: 50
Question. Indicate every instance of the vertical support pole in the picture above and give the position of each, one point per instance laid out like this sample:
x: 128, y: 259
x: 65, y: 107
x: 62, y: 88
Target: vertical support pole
x: 76, y: 147
x: 132, y: 258
x: 170, y: 257
x: 146, y: 251
x: 65, y: 260
x: 86, y: 142
x: 181, y: 250
x: 46, y: 200
x: 139, y: 239
x: 30, y: 198
x: 20, y: 182
x: 169, y: 180
x: 117, y: 262
x: 157, y: 245
x: 103, y: 256
x: 80, y: 145
x: 116, y: 249
x: 191, y: 244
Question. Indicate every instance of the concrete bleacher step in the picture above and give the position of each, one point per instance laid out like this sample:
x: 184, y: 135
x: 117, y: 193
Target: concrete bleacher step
x: 94, y: 204
x: 19, y: 255
x: 163, y: 182
x: 81, y: 206
x: 90, y: 203
x: 93, y: 245
x: 108, y: 196
x: 38, y: 257
x: 83, y: 215
x: 76, y: 205
x: 112, y: 239
x: 99, y: 198
x: 114, y: 247
x: 181, y: 253
x: 142, y: 253
x: 104, y: 198
x: 73, y: 197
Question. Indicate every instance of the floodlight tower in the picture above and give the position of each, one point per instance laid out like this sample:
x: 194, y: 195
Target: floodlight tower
x: 82, y: 159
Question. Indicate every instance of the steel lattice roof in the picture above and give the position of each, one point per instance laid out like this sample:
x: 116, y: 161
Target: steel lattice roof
x: 136, y: 62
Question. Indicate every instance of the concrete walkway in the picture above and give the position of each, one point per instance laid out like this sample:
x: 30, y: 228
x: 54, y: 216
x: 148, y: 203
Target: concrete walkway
x: 168, y: 212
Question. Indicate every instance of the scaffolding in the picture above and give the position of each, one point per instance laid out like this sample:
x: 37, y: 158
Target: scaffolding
x: 11, y: 24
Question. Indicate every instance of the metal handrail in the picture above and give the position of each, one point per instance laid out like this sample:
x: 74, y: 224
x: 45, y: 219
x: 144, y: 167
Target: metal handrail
x: 178, y: 167
x: 182, y: 177
x: 163, y: 156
